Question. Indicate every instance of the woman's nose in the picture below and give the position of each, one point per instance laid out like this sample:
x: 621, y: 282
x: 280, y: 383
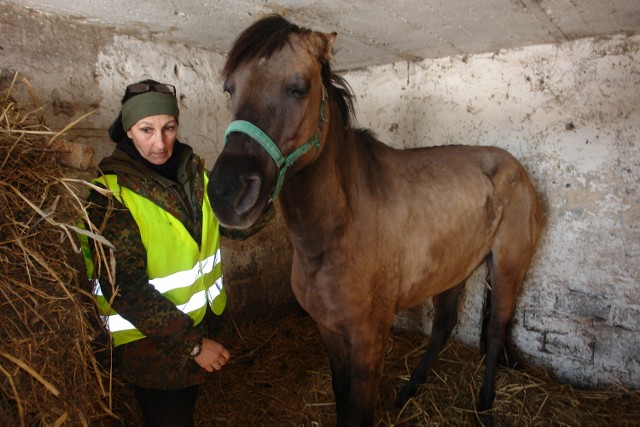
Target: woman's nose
x: 158, y: 139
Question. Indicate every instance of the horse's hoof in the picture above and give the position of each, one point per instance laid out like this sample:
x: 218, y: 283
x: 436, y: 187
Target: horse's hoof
x: 486, y: 419
x: 406, y: 393
x: 485, y: 413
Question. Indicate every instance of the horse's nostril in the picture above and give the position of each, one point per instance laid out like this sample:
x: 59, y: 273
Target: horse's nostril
x: 248, y: 194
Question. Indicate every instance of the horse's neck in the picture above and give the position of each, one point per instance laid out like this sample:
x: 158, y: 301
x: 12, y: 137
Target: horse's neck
x: 316, y: 197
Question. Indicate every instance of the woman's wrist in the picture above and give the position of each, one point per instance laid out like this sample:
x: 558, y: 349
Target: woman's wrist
x: 196, y: 349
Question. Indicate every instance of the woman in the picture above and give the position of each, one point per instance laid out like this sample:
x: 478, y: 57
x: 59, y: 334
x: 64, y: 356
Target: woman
x: 168, y: 273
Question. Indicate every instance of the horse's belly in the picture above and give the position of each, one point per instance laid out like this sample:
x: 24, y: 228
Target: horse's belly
x: 431, y: 269
x: 415, y: 292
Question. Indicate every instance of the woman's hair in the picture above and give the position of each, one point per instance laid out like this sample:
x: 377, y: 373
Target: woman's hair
x: 116, y: 131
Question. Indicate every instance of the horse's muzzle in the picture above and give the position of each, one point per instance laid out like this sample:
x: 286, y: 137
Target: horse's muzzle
x: 236, y: 196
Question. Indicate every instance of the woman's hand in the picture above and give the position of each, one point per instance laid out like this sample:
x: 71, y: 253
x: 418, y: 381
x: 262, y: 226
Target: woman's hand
x: 213, y: 355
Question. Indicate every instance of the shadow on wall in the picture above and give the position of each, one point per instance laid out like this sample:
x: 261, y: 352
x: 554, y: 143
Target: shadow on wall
x: 257, y: 274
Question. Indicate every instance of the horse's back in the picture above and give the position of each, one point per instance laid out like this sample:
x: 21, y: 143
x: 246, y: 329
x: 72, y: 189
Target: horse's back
x: 435, y: 172
x: 431, y: 161
x: 445, y: 159
x: 439, y: 210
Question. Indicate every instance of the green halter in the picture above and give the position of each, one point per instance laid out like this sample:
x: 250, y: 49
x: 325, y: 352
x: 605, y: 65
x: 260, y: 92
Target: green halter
x: 263, y: 139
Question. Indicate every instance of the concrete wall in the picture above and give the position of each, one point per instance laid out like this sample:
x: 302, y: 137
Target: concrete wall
x: 570, y: 113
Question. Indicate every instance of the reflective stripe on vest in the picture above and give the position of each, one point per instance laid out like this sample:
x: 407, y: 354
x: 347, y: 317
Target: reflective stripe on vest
x: 117, y: 323
x: 188, y: 276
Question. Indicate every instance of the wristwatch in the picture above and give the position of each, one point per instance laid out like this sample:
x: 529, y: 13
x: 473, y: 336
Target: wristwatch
x: 196, y: 350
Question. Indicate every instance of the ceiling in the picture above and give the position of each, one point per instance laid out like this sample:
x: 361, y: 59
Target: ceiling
x: 370, y: 32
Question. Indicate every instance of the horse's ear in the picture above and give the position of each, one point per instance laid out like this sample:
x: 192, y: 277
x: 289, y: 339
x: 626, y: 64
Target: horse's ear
x: 331, y: 39
x: 323, y: 44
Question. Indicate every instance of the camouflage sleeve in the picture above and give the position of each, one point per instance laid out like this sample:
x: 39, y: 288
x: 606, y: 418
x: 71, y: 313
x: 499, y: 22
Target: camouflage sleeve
x: 136, y: 299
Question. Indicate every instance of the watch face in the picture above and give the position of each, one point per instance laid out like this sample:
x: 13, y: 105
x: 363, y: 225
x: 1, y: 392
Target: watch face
x: 195, y: 351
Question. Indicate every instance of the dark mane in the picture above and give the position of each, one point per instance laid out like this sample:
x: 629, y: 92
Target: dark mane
x: 262, y: 39
x: 341, y: 93
x: 270, y: 34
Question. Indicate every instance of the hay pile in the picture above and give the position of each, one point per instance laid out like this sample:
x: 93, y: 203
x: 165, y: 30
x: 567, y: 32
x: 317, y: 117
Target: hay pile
x: 48, y: 371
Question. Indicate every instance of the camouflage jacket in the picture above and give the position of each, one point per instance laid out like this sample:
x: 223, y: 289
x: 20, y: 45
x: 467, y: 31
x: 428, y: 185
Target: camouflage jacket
x: 161, y: 360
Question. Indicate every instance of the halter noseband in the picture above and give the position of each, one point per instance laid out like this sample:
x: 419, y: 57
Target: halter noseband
x: 282, y: 163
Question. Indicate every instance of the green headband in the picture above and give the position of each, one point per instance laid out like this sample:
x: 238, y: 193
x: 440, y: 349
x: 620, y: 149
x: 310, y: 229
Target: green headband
x: 148, y: 104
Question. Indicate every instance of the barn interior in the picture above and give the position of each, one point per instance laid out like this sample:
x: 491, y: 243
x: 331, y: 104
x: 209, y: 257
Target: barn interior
x: 554, y: 82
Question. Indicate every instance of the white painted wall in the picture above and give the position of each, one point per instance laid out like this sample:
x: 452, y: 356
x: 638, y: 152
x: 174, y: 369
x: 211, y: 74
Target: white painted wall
x: 571, y: 114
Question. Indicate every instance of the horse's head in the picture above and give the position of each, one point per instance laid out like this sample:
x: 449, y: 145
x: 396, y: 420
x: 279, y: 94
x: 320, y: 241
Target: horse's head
x: 273, y: 75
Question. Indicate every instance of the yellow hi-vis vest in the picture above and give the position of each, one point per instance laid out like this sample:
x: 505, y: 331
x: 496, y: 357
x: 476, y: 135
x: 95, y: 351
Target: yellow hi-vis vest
x: 188, y: 276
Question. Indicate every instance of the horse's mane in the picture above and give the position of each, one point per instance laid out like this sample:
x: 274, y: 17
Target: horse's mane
x: 270, y: 34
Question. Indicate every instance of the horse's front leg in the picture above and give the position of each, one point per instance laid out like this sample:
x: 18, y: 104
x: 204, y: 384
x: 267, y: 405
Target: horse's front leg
x: 338, y: 348
x: 356, y: 368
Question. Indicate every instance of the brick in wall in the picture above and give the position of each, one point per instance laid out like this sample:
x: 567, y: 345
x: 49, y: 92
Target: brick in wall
x: 579, y: 345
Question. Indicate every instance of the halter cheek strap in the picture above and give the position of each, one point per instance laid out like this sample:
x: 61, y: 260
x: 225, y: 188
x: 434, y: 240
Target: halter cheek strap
x: 282, y: 163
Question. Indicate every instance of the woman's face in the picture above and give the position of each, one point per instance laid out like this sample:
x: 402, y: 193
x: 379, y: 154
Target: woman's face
x: 154, y: 137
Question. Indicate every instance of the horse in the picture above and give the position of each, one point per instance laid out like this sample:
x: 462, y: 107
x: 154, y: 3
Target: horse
x: 374, y: 229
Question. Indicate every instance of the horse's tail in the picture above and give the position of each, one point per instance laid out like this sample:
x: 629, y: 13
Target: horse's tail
x: 486, y: 314
x: 507, y: 358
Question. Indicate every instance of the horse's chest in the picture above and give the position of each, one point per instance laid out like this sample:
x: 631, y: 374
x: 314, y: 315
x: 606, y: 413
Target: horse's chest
x: 324, y: 286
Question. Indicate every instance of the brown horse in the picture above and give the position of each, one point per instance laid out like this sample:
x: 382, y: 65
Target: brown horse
x: 374, y: 230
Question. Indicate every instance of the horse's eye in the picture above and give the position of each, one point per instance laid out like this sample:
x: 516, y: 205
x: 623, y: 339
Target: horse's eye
x: 297, y: 91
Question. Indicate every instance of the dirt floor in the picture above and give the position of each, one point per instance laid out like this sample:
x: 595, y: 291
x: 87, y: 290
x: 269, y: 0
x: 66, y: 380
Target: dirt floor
x: 279, y: 376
